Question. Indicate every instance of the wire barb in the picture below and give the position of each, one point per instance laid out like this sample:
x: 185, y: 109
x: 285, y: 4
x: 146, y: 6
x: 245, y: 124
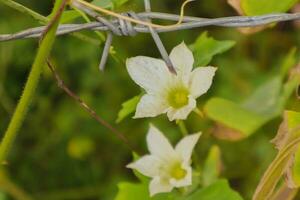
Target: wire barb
x: 127, y: 29
x: 106, y: 49
x: 188, y: 23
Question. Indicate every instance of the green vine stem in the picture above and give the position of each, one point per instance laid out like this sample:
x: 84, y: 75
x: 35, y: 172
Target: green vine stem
x: 31, y: 84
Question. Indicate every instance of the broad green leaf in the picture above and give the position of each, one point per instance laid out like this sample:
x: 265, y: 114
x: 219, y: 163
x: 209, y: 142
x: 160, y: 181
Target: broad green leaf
x: 266, y: 103
x: 232, y: 115
x: 205, y: 48
x: 273, y: 89
x: 69, y: 16
x: 287, y: 141
x: 219, y: 190
x: 266, y: 107
x: 128, y: 107
x: 212, y: 166
x: 260, y: 7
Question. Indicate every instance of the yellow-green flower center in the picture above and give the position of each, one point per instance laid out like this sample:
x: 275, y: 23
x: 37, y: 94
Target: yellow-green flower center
x: 177, y: 172
x: 178, y: 97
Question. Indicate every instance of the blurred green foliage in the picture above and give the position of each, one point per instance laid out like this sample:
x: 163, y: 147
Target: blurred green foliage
x: 62, y: 153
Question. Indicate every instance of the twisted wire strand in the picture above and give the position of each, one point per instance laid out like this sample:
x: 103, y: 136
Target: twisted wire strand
x: 188, y: 23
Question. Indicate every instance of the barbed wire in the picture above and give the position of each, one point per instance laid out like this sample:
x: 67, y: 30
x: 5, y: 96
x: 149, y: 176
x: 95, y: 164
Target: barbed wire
x: 117, y: 26
x: 121, y: 27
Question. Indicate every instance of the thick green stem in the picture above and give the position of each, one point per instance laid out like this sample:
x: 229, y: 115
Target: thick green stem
x: 30, y: 87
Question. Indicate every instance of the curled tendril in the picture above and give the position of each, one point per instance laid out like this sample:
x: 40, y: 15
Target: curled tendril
x: 111, y: 13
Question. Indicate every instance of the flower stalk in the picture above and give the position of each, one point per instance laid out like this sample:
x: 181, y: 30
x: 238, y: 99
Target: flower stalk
x: 182, y: 127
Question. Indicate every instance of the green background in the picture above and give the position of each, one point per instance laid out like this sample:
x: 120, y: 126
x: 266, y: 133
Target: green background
x: 62, y: 153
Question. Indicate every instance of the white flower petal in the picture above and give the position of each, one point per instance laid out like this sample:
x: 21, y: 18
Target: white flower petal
x: 186, y: 145
x: 186, y: 181
x: 149, y: 73
x: 201, y: 80
x: 159, y: 145
x: 157, y: 185
x: 183, y: 60
x: 183, y: 112
x: 150, y: 106
x: 147, y: 165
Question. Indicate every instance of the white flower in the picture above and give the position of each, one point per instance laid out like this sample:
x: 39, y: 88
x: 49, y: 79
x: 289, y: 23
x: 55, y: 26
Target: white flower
x: 168, y: 167
x: 165, y: 92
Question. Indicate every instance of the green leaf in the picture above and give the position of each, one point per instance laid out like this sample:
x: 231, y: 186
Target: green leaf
x: 266, y: 102
x: 232, y: 115
x: 108, y: 4
x: 132, y: 191
x: 289, y: 62
x: 212, y: 165
x: 260, y: 7
x: 118, y: 3
x: 128, y: 107
x: 266, y: 107
x: 220, y: 190
x: 128, y: 191
x: 274, y: 89
x: 293, y: 119
x: 205, y: 48
x: 69, y: 16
